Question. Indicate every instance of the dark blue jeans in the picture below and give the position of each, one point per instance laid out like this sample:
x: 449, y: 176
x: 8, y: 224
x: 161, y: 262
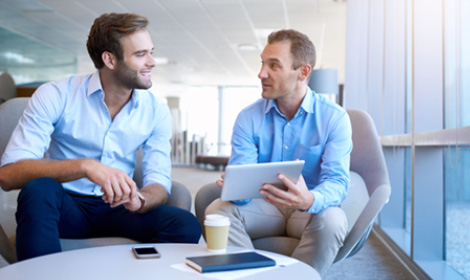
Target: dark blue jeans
x: 47, y: 212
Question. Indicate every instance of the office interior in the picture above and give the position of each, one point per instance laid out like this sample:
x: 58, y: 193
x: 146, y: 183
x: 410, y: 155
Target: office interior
x: 405, y: 62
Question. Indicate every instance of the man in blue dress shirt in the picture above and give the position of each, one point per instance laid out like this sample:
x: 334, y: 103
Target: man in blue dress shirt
x: 291, y: 122
x: 73, y: 152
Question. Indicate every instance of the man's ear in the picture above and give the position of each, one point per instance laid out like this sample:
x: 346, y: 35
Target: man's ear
x: 305, y: 71
x: 109, y: 60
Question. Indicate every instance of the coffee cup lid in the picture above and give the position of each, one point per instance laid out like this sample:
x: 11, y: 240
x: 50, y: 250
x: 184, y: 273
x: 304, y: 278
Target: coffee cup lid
x: 216, y: 220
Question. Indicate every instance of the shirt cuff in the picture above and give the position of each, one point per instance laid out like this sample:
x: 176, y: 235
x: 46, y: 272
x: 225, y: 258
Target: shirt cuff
x: 318, y: 202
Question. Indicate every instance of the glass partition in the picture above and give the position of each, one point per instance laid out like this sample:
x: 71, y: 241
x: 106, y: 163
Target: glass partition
x: 29, y: 61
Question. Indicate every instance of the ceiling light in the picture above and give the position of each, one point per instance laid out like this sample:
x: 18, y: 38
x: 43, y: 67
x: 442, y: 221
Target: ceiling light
x: 247, y: 47
x: 18, y: 58
x: 161, y: 60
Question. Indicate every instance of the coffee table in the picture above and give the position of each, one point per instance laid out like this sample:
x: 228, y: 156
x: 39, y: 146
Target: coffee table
x: 118, y: 262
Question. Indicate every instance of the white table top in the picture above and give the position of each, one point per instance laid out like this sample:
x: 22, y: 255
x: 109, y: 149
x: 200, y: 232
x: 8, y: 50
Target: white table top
x: 118, y: 262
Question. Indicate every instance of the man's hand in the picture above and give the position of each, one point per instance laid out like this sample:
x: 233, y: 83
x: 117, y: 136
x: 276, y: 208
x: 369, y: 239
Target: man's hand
x: 132, y: 206
x: 220, y: 182
x: 117, y: 186
x: 297, y: 195
x: 154, y: 195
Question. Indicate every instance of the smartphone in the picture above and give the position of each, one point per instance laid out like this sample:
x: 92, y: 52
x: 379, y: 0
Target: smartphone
x: 146, y: 252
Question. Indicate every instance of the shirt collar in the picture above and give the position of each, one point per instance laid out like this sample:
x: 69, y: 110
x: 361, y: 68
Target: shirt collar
x: 94, y: 86
x: 309, y: 100
x: 307, y: 103
x: 135, y: 96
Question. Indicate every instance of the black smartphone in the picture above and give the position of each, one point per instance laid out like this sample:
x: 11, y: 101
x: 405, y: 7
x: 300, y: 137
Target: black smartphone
x: 146, y: 252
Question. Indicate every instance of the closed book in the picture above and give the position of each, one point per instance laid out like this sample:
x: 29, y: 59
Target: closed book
x: 231, y: 261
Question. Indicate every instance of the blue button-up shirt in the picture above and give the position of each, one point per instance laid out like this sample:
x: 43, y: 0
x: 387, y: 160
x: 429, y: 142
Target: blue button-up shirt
x: 319, y: 133
x: 68, y: 119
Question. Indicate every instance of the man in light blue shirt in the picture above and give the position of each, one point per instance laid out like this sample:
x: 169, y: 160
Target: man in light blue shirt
x: 291, y: 122
x: 74, y: 150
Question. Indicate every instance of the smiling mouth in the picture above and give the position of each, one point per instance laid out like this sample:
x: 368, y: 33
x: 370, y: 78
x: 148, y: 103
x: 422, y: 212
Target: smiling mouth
x: 146, y: 74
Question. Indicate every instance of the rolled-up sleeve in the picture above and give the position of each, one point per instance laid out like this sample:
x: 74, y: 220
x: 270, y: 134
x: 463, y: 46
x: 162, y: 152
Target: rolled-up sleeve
x: 31, y: 137
x: 156, y: 163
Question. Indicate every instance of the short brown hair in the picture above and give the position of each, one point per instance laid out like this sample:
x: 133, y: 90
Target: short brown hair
x: 301, y: 48
x: 107, y: 31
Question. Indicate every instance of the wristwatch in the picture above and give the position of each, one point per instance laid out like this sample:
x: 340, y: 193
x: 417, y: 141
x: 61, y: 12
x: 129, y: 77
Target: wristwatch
x: 142, y: 201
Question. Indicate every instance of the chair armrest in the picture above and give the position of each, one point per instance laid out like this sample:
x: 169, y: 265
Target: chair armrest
x: 7, y: 251
x: 180, y: 196
x: 204, y: 197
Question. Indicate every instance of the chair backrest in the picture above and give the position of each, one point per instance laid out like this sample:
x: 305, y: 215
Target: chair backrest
x: 10, y: 113
x: 368, y: 168
x: 368, y: 161
x: 7, y: 87
x: 367, y: 157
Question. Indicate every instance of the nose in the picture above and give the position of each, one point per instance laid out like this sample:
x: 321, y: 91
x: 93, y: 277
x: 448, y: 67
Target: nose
x: 151, y: 62
x: 262, y: 73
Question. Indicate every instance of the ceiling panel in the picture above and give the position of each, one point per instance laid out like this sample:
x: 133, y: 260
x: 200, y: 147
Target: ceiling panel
x: 266, y: 14
x: 206, y: 42
x: 233, y: 21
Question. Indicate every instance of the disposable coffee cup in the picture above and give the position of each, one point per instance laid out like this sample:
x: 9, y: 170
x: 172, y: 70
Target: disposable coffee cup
x: 216, y: 227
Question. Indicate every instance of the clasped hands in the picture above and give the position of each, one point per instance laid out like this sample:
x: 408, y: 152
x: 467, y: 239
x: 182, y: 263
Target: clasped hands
x: 297, y: 196
x: 117, y: 186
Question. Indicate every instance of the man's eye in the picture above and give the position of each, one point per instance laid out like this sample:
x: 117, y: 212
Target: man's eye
x: 275, y: 66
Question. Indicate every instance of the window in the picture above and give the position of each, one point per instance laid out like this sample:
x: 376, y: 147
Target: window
x: 234, y: 99
x: 417, y: 55
x: 457, y: 197
x: 457, y: 158
x: 210, y: 112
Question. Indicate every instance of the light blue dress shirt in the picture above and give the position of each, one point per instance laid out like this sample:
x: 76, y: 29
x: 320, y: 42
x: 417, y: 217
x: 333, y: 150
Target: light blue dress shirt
x: 320, y: 133
x: 68, y: 119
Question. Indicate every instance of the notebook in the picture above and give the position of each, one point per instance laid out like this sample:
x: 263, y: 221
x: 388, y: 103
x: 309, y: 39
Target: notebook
x: 226, y: 262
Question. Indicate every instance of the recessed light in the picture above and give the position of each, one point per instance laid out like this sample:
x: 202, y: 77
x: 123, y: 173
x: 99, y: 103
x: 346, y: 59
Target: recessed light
x: 247, y: 47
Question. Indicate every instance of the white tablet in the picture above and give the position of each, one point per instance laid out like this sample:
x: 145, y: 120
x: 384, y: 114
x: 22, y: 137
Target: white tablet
x: 244, y: 181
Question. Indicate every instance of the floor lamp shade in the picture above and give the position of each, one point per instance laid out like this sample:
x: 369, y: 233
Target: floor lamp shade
x: 324, y: 81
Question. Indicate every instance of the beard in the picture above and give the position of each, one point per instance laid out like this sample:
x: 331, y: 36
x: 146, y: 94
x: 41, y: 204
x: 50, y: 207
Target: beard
x: 130, y: 78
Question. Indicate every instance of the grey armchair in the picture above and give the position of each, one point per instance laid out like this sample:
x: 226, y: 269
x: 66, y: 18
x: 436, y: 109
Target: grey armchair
x: 10, y: 113
x: 369, y: 190
x: 7, y: 87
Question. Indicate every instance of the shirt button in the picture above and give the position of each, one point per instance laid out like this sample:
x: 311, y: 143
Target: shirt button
x: 286, y: 147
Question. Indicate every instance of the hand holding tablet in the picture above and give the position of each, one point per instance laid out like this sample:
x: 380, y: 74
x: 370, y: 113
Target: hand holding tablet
x: 245, y: 181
